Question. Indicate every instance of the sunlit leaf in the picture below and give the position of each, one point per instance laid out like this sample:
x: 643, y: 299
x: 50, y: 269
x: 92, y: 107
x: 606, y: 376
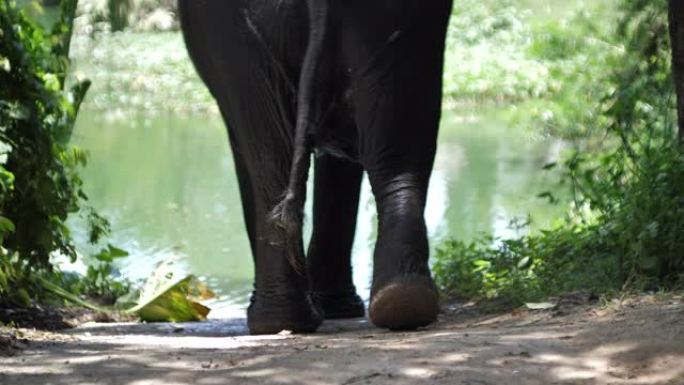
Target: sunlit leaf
x: 6, y: 225
x: 52, y: 82
x: 116, y: 252
x: 539, y: 305
x: 165, y: 298
x: 525, y: 262
x: 172, y: 302
x: 5, y: 64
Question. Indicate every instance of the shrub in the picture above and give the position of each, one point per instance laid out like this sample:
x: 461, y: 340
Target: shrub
x: 627, y: 231
x: 39, y: 182
x: 41, y: 185
x: 626, y: 225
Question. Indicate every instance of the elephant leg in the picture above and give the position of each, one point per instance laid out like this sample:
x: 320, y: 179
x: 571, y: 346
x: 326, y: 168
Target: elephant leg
x: 246, y: 195
x: 403, y: 295
x: 396, y: 92
x: 337, y: 184
x: 280, y: 300
x: 252, y: 83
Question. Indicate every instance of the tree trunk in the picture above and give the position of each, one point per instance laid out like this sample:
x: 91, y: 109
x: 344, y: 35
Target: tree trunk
x: 676, y: 16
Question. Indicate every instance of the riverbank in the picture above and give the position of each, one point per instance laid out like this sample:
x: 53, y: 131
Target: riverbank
x: 635, y: 341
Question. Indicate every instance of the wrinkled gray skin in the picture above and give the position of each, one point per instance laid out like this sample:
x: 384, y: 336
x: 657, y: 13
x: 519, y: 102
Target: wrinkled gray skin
x: 358, y: 84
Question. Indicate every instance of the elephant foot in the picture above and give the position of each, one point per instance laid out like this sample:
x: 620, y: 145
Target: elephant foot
x: 341, y: 304
x: 294, y: 312
x: 405, y: 303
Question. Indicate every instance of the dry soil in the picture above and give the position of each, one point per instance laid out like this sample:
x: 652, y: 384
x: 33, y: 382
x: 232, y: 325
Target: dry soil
x: 636, y: 341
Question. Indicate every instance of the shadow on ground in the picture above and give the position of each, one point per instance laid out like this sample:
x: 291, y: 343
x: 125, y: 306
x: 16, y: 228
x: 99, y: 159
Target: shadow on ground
x: 635, y: 343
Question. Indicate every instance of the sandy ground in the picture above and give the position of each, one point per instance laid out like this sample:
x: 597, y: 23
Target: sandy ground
x: 639, y: 341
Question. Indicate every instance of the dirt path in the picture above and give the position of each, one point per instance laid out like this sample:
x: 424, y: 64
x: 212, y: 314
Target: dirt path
x: 638, y: 342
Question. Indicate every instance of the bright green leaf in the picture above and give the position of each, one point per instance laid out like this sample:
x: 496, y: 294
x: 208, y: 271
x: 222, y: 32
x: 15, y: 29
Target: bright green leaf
x: 6, y: 225
x: 5, y: 64
x: 523, y: 263
x: 116, y: 252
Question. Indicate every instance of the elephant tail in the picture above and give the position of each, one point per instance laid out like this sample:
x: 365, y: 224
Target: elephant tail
x: 288, y: 215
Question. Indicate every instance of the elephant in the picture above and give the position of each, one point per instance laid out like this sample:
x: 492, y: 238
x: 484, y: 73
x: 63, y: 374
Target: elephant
x: 357, y: 86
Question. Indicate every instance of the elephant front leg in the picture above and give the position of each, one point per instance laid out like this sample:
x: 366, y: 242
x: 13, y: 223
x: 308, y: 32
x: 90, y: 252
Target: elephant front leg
x: 396, y: 63
x: 337, y: 186
x: 403, y: 295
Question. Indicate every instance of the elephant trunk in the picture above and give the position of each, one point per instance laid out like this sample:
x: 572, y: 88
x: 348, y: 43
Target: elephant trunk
x: 288, y: 215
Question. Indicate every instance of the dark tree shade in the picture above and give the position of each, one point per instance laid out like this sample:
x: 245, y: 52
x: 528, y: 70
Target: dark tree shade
x: 676, y: 15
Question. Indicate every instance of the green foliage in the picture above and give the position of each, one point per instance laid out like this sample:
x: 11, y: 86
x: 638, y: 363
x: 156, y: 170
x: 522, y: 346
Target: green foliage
x: 525, y: 269
x: 486, y: 57
x: 627, y: 223
x: 625, y: 232
x: 102, y: 281
x: 547, y: 66
x: 478, y: 268
x: 496, y: 52
x: 16, y: 286
x: 36, y: 121
x: 579, y: 56
x: 39, y: 182
x: 139, y: 15
x: 637, y: 189
x: 116, y: 64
